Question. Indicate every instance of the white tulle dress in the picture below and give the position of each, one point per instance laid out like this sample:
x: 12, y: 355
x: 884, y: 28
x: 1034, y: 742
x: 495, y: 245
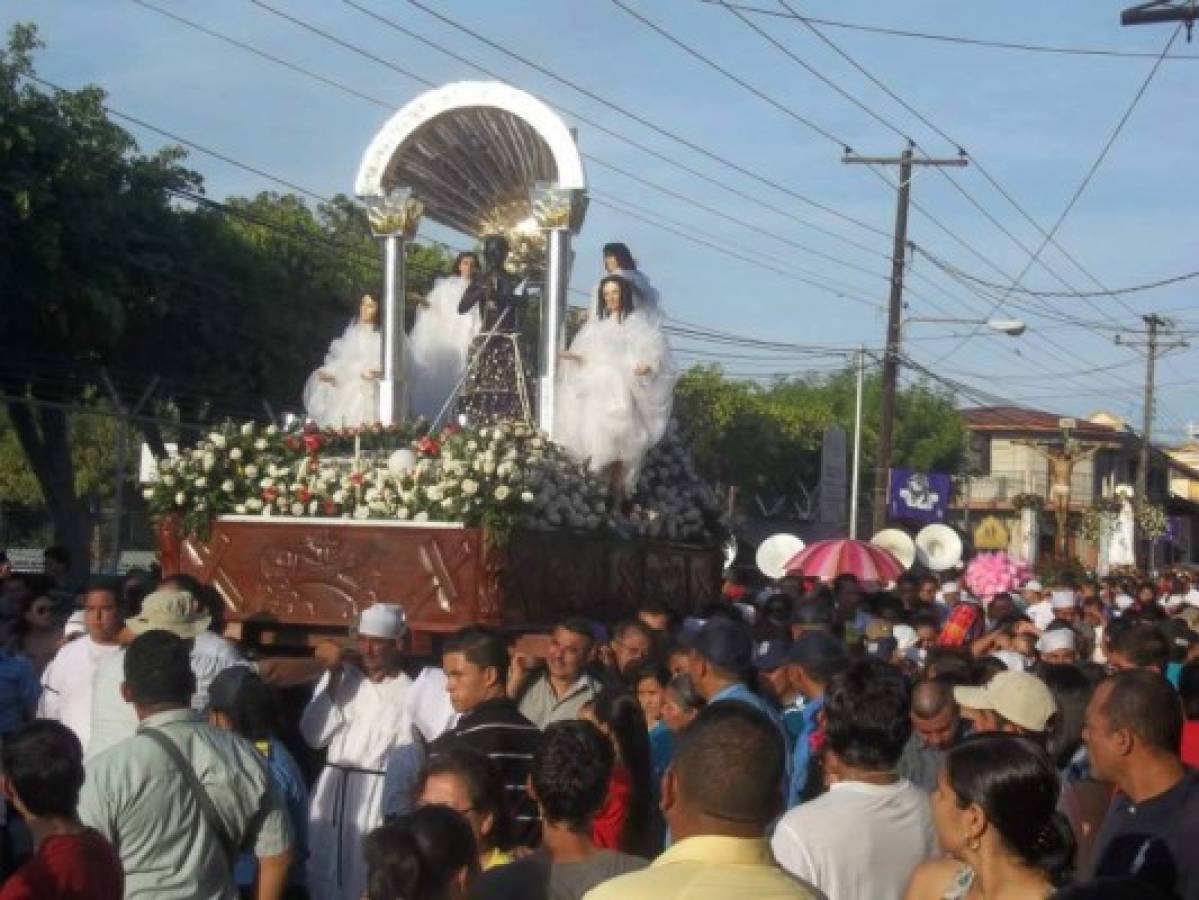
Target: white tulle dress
x: 645, y: 296
x: 349, y: 400
x: 604, y: 412
x: 439, y: 346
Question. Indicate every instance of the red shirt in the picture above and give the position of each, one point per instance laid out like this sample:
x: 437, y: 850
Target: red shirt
x: 1190, y: 743
x: 68, y: 867
x: 609, y: 823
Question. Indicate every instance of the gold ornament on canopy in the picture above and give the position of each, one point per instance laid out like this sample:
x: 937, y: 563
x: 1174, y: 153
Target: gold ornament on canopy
x: 397, y: 212
x: 526, y: 242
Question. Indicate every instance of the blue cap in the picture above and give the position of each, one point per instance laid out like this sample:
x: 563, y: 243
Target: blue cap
x: 726, y: 644
x: 771, y: 654
x: 815, y: 647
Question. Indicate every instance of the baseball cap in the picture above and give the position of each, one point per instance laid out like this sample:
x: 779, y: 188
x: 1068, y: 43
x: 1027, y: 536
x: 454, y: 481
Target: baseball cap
x: 769, y: 655
x: 1019, y: 697
x: 814, y: 647
x: 724, y: 643
x: 1032, y: 585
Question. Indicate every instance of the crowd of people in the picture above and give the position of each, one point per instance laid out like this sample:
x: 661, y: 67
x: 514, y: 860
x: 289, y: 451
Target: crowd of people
x: 809, y: 740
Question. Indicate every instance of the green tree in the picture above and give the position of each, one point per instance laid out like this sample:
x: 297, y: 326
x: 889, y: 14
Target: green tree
x: 766, y: 438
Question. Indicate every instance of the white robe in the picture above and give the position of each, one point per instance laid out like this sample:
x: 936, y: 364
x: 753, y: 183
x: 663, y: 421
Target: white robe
x: 438, y: 346
x: 349, y: 400
x: 67, y: 685
x: 606, y: 413
x: 359, y: 728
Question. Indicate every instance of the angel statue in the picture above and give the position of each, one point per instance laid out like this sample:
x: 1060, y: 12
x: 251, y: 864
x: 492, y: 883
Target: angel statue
x: 618, y: 260
x: 615, y: 388
x: 440, y: 340
x: 343, y: 393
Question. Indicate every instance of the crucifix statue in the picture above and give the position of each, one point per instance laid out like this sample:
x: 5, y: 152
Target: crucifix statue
x: 1062, y: 457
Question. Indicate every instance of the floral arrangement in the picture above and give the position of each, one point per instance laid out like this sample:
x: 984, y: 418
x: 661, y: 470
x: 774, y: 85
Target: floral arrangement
x: 497, y: 477
x: 1024, y: 501
x: 1097, y: 519
x: 989, y: 574
x: 1151, y: 520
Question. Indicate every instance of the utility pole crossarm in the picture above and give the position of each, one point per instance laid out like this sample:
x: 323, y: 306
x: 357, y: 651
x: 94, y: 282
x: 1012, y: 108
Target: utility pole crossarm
x: 851, y: 158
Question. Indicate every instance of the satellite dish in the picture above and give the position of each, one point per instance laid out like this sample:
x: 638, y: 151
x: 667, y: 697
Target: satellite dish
x: 775, y: 552
x: 899, y: 543
x: 938, y: 547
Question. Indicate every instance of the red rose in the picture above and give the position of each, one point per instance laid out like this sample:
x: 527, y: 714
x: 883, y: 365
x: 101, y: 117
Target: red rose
x: 293, y: 442
x: 428, y: 446
x: 303, y: 495
x: 313, y: 442
x: 329, y: 508
x: 356, y: 478
x: 270, y: 495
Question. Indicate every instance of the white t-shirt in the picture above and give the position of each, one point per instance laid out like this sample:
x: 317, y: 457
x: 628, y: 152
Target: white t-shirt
x: 113, y: 719
x: 859, y: 840
x: 67, y: 685
x: 1041, y: 614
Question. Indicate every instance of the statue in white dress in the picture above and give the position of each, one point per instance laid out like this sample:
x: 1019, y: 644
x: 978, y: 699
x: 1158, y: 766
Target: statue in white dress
x: 616, y: 387
x: 441, y: 339
x: 343, y: 393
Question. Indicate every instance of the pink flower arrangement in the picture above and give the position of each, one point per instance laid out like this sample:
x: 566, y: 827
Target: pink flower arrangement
x: 989, y: 574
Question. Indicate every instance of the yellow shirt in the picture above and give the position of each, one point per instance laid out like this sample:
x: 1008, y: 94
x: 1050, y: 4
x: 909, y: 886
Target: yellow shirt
x: 709, y: 867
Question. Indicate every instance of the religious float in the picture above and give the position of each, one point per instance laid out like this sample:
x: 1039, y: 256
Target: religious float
x: 487, y: 519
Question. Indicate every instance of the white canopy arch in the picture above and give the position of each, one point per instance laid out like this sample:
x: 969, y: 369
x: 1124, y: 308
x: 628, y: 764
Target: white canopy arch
x: 472, y: 151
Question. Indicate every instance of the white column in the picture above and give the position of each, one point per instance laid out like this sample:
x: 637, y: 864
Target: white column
x: 553, y: 323
x: 393, y: 387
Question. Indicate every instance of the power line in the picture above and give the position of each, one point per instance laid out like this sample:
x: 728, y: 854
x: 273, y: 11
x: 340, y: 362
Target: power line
x: 1111, y: 140
x: 956, y: 39
x: 1131, y: 289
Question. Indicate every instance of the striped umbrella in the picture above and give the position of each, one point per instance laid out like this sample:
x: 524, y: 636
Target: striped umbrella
x: 828, y: 559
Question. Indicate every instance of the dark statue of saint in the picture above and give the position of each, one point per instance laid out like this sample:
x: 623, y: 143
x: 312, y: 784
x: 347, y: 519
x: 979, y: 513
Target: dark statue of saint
x: 497, y: 381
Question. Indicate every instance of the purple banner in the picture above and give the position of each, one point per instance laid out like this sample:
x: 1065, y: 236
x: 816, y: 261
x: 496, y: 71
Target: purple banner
x: 918, y: 496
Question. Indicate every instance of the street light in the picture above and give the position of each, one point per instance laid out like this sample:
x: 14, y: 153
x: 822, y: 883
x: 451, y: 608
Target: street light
x: 1010, y: 327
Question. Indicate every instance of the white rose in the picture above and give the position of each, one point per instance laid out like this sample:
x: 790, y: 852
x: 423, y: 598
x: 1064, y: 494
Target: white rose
x: 403, y: 513
x: 488, y: 467
x: 247, y: 429
x: 251, y: 471
x: 235, y: 453
x: 266, y: 483
x: 148, y: 493
x: 362, y: 512
x: 421, y: 516
x: 339, y: 496
x: 218, y: 440
x: 209, y: 461
x: 433, y: 492
x: 180, y: 498
x: 240, y: 509
x: 447, y: 503
x: 200, y: 482
x: 254, y: 504
x: 227, y: 486
x: 469, y: 488
x: 297, y: 509
x: 526, y: 496
x: 314, y: 507
x: 260, y: 444
x: 168, y: 480
x: 472, y: 446
x: 502, y: 492
x: 272, y: 429
x: 281, y: 503
x: 201, y: 505
x: 503, y: 469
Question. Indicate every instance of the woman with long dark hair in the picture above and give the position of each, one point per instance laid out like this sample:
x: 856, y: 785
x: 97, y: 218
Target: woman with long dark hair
x: 342, y: 392
x: 618, y: 260
x: 995, y: 809
x: 616, y: 388
x: 624, y: 821
x: 428, y: 854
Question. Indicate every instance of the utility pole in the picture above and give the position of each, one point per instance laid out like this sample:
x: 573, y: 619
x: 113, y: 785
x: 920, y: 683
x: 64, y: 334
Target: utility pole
x: 905, y: 161
x: 1154, y: 347
x: 857, y: 446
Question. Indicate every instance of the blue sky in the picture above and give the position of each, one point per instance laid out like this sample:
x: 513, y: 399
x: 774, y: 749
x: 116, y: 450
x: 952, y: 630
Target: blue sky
x: 1036, y: 122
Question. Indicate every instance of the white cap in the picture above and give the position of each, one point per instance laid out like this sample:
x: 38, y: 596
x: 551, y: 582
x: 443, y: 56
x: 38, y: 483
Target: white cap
x: 905, y: 637
x: 383, y: 620
x: 1032, y: 585
x: 1057, y: 639
x: 1192, y: 597
x: 76, y: 625
x: 1062, y: 600
x: 950, y: 587
x: 1123, y: 601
